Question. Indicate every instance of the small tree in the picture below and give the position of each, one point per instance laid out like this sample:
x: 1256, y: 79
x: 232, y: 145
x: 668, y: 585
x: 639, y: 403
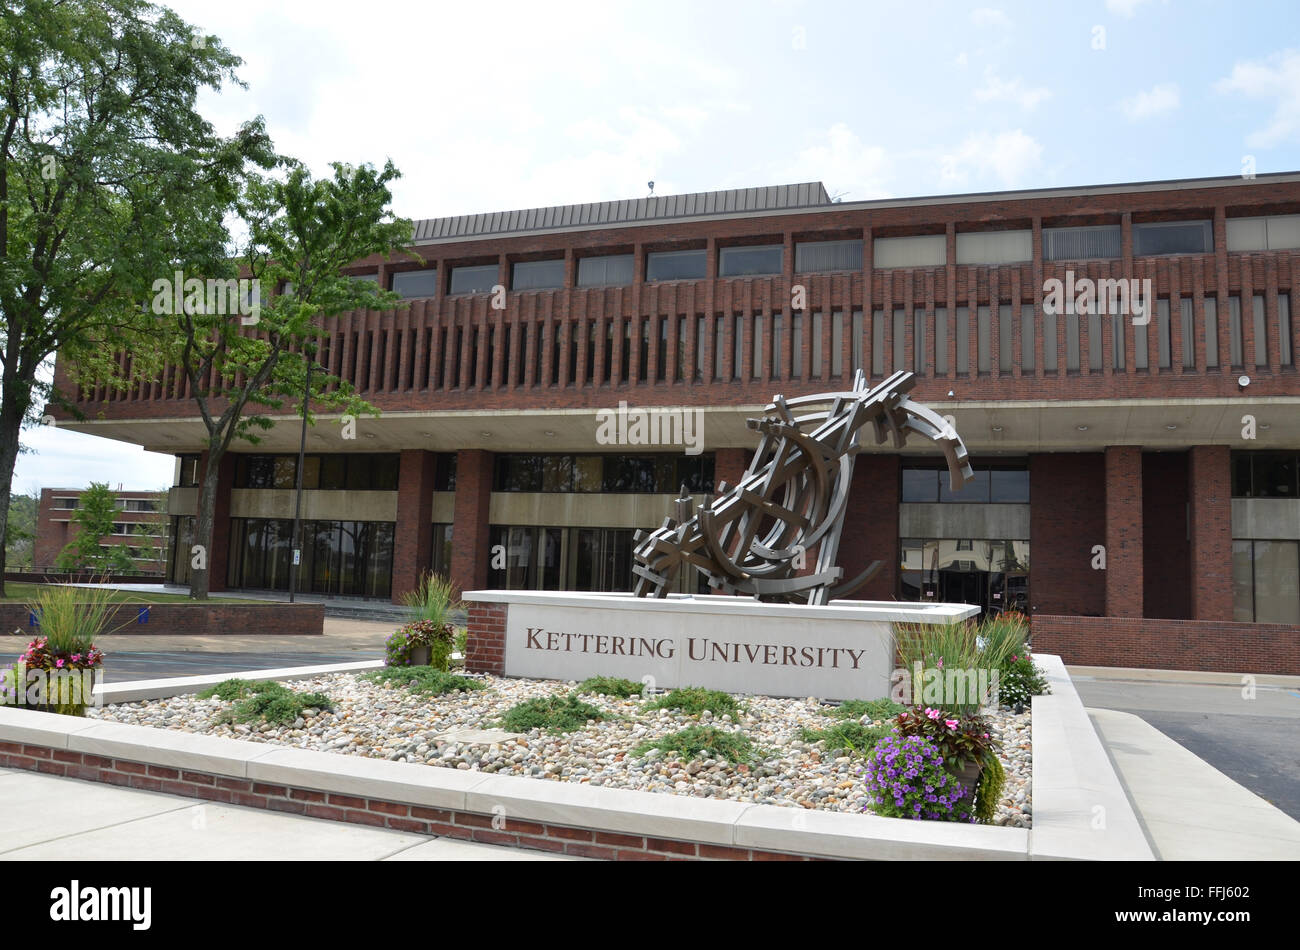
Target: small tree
x: 97, y: 513
x: 302, y: 233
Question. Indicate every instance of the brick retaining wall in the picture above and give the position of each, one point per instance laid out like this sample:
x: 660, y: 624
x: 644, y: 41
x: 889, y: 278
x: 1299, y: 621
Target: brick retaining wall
x: 398, y: 816
x: 1202, y: 645
x: 177, y: 619
x: 485, y: 639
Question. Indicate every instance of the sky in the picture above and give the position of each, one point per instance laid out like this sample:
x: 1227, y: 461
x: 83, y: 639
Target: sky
x: 488, y: 107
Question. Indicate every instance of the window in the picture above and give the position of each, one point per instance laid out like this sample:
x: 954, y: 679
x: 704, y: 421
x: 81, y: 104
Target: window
x: 1027, y: 342
x: 360, y: 472
x: 140, y: 504
x: 415, y: 283
x: 995, y: 247
x: 963, y: 340
x: 643, y: 474
x: 478, y: 279
x: 812, y: 257
x: 1265, y: 474
x: 927, y: 481
x: 345, y: 558
x: 444, y: 477
x: 1006, y: 351
x: 942, y: 326
x: 1082, y: 244
x: 927, y: 250
x: 1270, y: 233
x: 676, y: 265
x: 187, y: 475
x: 1172, y: 237
x: 1234, y: 330
x: 1261, y: 330
x: 1163, y: 339
x: 878, y: 343
x: 984, y: 339
x: 747, y: 261
x: 537, y: 275
x: 1049, y: 340
x: 610, y: 270
x: 1284, y: 328
x: 1266, y: 581
x: 1187, y: 319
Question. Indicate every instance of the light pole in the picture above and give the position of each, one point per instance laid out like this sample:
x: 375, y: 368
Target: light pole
x: 297, y: 503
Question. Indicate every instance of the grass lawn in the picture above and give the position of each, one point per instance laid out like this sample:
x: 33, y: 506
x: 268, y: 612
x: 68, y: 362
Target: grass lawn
x: 16, y: 592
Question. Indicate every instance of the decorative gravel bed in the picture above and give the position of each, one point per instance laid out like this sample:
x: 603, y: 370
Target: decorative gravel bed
x: 387, y: 722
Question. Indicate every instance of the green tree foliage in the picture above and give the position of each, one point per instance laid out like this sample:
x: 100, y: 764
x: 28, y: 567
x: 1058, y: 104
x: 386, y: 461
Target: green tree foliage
x: 301, y: 234
x: 20, y: 531
x: 103, y: 158
x: 96, y: 513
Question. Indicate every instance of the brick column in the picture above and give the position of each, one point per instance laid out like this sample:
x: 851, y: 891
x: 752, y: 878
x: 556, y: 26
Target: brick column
x: 218, y: 557
x: 728, y: 466
x: 1124, y: 531
x: 413, y: 533
x: 469, y: 534
x: 871, y: 526
x: 1209, y: 490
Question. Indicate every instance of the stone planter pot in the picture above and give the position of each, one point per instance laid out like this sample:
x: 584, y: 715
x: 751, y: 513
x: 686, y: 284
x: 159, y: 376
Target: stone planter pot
x: 967, y: 776
x: 420, y: 655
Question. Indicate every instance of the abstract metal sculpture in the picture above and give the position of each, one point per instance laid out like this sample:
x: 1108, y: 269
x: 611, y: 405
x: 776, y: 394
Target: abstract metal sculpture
x: 755, y: 537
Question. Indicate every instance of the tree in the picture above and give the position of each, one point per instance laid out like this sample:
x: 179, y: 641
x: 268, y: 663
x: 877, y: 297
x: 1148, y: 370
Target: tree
x: 302, y: 233
x: 96, y: 515
x: 20, y: 531
x: 102, y: 155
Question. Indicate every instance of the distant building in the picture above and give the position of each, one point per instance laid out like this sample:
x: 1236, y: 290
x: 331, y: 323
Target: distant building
x: 142, y: 527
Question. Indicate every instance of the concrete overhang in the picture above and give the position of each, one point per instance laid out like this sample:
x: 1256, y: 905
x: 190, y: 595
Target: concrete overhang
x: 987, y: 427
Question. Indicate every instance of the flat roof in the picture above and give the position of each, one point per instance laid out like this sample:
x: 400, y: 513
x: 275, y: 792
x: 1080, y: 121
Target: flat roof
x: 808, y: 197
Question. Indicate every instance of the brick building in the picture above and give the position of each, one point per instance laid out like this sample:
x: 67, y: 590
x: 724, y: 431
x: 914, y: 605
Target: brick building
x: 1137, y: 464
x: 141, y: 526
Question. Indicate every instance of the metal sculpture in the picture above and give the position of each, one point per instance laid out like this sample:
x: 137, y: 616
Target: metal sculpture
x: 755, y: 538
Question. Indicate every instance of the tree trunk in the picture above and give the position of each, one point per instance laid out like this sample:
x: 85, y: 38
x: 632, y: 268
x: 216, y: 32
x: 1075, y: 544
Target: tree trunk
x: 203, y: 523
x: 11, y: 424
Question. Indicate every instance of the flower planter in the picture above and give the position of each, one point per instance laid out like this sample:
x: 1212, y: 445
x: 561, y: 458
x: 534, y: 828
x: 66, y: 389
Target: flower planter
x: 420, y: 655
x: 967, y: 775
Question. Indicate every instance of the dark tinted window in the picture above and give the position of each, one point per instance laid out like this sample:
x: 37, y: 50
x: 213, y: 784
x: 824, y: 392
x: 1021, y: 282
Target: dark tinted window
x: 444, y: 478
x: 473, y: 280
x: 416, y: 283
x: 383, y: 475
x: 611, y: 270
x: 1009, y: 486
x: 920, y: 485
x: 1180, y: 237
x: 743, y: 261
x: 333, y: 472
x: 676, y: 265
x: 538, y: 275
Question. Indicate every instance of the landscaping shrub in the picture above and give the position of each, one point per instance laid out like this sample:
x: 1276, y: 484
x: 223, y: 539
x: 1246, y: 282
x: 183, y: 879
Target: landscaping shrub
x: 552, y: 713
x: 268, y: 701
x: 906, y: 778
x: 988, y: 790
x: 694, y: 700
x: 424, y: 680
x: 420, y: 633
x: 851, y: 735
x: 709, y: 741
x: 1020, y: 680
x: 958, y: 738
x: 857, y: 708
x: 611, y: 686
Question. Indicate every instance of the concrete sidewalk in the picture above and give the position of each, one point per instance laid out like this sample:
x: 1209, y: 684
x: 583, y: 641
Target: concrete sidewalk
x: 44, y: 817
x: 1188, y: 809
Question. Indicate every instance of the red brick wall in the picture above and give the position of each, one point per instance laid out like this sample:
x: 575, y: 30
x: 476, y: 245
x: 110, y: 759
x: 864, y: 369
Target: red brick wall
x: 485, y: 638
x: 1067, y: 505
x: 871, y: 526
x: 1210, y: 488
x: 728, y: 466
x: 376, y: 812
x: 52, y: 535
x: 413, y: 534
x: 1170, y: 644
x: 1166, y: 569
x: 470, y: 556
x: 198, y: 620
x: 1123, y: 531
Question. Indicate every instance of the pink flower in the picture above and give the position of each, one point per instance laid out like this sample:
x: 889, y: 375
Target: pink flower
x: 950, y: 723
x: 1014, y: 658
x: 58, y: 662
x: 932, y: 713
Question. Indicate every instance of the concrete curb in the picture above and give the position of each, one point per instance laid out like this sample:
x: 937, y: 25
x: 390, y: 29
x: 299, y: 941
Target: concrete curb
x: 1081, y: 809
x: 136, y: 690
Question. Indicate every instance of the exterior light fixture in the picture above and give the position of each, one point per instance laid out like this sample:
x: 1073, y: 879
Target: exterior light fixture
x: 1171, y: 426
x: 1082, y: 428
x: 997, y: 428
x: 1243, y: 381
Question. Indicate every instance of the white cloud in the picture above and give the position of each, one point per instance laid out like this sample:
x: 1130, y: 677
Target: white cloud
x: 961, y: 60
x: 1277, y: 77
x: 843, y: 162
x: 1157, y: 100
x: 999, y: 90
x: 1006, y: 158
x: 990, y: 16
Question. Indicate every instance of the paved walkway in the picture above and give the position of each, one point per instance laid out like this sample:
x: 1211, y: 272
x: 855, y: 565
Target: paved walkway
x: 44, y: 817
x: 1189, y: 809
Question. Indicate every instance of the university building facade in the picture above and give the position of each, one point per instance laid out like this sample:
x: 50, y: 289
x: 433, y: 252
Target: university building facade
x: 1136, y: 464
